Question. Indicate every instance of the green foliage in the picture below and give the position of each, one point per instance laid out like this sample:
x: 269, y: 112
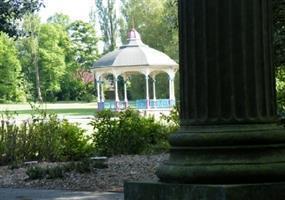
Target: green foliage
x: 36, y: 173
x: 56, y: 57
x: 137, y: 87
x: 76, y: 90
x: 80, y: 167
x: 10, y: 70
x: 84, y: 44
x: 280, y: 88
x: 52, y: 40
x: 126, y: 133
x: 13, y: 10
x: 29, y: 57
x: 172, y: 120
x: 43, y: 54
x: 55, y: 172
x: 59, y: 170
x: 74, y: 144
x: 43, y: 138
x: 80, y: 56
x: 60, y: 19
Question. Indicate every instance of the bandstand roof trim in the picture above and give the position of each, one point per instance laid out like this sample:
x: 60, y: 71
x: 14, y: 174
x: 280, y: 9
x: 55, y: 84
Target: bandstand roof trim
x: 135, y: 53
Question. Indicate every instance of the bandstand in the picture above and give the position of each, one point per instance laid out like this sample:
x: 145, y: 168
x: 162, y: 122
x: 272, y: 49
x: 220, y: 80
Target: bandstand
x: 134, y: 57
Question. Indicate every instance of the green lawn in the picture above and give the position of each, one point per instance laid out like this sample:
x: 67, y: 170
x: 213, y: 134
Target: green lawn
x: 66, y: 109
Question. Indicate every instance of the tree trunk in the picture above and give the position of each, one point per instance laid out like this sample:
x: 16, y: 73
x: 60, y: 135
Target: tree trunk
x: 37, y: 74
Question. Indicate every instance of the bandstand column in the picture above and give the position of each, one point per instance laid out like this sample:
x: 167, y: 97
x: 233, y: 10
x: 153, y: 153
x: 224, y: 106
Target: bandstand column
x: 147, y: 91
x: 125, y: 92
x: 154, y: 90
x: 98, y: 91
x: 117, y: 100
x: 102, y: 91
x: 230, y: 145
x: 171, y: 89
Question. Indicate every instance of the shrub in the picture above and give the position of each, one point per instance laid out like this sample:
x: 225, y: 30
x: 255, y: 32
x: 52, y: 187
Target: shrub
x: 36, y: 173
x: 172, y: 120
x: 126, y: 133
x: 55, y: 172
x: 58, y: 171
x: 74, y: 144
x: 43, y: 138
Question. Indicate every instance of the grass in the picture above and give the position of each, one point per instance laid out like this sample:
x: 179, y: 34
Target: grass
x: 65, y: 109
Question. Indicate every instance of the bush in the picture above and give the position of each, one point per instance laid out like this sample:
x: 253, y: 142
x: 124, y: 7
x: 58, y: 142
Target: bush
x: 172, y: 120
x: 74, y: 89
x: 126, y: 133
x: 74, y: 144
x: 36, y: 173
x: 43, y: 138
x: 58, y: 171
x: 55, y: 172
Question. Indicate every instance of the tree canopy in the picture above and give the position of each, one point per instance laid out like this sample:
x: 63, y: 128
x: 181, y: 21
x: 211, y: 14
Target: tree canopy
x: 13, y: 10
x: 10, y: 70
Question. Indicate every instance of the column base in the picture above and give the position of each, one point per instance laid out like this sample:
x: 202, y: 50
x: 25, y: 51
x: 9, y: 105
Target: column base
x: 228, y: 154
x: 164, y: 191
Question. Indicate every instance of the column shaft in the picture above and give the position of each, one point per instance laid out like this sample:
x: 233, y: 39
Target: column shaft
x: 117, y: 100
x: 226, y: 53
x: 147, y: 92
x: 98, y: 90
x: 170, y: 88
x: 102, y: 92
x: 125, y: 93
x: 154, y: 88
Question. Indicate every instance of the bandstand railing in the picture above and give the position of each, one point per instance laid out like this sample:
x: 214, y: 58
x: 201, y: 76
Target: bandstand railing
x: 137, y: 104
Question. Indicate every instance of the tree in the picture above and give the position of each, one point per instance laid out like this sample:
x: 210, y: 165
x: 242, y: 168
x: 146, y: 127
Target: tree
x: 43, y: 57
x: 83, y: 53
x: 52, y: 42
x: 84, y: 44
x: 10, y: 70
x: 30, y: 54
x: 108, y: 21
x: 13, y: 10
x: 60, y: 19
x: 147, y: 17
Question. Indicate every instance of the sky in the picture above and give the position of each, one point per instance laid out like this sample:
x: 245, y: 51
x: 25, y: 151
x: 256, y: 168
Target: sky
x: 75, y: 9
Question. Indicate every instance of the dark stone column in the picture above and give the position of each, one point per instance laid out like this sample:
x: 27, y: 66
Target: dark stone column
x: 226, y: 71
x: 229, y: 131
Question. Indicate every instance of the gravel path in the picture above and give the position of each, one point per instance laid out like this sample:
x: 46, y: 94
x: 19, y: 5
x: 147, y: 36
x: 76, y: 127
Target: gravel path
x: 121, y: 168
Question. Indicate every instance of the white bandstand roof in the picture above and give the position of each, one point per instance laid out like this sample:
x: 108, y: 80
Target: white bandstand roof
x: 134, y: 57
